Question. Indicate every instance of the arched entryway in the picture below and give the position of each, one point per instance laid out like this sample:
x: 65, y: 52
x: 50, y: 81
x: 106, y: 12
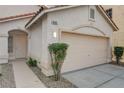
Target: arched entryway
x: 17, y: 44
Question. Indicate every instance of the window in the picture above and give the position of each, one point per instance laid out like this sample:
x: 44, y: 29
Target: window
x: 10, y: 44
x: 92, y: 13
x: 109, y: 12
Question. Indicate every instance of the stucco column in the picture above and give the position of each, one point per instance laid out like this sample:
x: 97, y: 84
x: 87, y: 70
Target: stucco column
x: 45, y: 60
x: 47, y: 39
x: 3, y: 48
x: 28, y: 45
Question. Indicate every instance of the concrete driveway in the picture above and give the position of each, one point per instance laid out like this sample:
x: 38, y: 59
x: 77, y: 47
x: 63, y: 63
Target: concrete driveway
x: 102, y: 76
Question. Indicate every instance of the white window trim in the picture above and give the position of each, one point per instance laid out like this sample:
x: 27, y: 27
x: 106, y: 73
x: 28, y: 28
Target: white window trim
x: 91, y: 19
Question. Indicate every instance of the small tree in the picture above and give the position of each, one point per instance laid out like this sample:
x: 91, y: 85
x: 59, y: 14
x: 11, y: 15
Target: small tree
x: 58, y: 54
x: 118, y: 51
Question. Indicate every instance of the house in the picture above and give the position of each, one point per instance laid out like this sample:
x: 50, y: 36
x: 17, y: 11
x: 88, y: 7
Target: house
x: 87, y: 29
x: 117, y: 13
x: 12, y: 24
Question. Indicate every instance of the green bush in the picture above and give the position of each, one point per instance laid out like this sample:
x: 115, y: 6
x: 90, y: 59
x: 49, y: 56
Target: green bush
x: 118, y: 52
x: 32, y: 62
x: 58, y: 54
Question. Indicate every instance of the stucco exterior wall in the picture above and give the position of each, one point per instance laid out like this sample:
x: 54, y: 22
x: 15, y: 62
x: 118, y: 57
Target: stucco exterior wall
x: 75, y: 17
x: 5, y: 27
x: 68, y: 20
x: 37, y: 42
x: 15, y: 24
x: 3, y: 49
x: 74, y: 20
x: 12, y: 10
x: 118, y: 17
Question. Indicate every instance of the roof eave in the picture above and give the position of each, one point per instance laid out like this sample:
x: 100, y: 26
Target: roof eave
x: 11, y: 18
x: 40, y: 14
x: 111, y: 22
x: 44, y: 12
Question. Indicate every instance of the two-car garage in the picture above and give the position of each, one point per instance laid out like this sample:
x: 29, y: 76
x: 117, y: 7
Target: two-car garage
x: 84, y: 51
x: 89, y: 39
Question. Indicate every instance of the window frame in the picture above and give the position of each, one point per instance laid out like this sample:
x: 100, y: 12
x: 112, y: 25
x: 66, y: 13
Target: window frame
x: 92, y: 19
x: 108, y: 11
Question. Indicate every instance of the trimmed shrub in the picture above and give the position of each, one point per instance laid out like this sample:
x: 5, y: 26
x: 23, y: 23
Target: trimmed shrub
x: 118, y: 52
x: 58, y: 54
x: 32, y: 62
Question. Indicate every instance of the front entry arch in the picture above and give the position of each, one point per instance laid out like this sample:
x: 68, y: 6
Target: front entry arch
x: 17, y: 44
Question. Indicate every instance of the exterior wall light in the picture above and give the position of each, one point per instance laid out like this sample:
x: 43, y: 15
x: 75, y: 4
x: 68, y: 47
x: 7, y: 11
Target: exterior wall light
x: 54, y: 34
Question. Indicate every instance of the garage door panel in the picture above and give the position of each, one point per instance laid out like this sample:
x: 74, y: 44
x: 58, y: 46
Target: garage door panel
x: 84, y: 51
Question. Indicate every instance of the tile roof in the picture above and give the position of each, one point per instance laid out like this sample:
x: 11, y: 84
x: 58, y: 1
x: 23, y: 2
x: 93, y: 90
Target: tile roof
x: 43, y: 8
x: 4, y: 19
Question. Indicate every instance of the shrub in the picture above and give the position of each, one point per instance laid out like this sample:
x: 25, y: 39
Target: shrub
x: 118, y: 52
x: 58, y: 54
x: 32, y: 62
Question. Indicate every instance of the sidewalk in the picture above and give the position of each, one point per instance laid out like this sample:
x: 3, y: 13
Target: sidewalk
x: 24, y: 77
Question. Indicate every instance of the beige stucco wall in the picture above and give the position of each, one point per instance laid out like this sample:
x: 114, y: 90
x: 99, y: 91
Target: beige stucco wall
x: 12, y: 10
x: 38, y: 42
x: 5, y: 27
x: 18, y: 25
x: 75, y: 17
x: 118, y: 18
x: 74, y: 20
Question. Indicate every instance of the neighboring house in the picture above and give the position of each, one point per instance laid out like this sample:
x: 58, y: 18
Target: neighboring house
x: 12, y: 30
x: 87, y: 29
x: 117, y: 13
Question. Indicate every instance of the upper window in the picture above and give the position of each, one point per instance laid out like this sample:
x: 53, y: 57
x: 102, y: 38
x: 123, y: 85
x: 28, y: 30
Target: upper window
x: 109, y: 12
x: 92, y: 14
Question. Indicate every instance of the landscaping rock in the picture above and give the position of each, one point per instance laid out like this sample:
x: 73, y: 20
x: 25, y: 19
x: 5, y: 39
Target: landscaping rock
x: 7, y: 78
x: 50, y: 82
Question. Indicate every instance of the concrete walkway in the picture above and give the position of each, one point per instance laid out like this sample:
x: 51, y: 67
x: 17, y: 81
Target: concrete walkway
x: 24, y: 77
x: 102, y: 76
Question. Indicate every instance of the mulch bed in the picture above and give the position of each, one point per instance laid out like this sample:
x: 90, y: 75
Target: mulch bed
x: 50, y: 82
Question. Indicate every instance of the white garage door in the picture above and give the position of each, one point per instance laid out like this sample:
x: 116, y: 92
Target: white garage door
x: 84, y: 51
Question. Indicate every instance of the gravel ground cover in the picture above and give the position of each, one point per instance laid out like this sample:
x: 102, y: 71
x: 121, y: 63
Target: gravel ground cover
x: 50, y: 82
x: 7, y: 77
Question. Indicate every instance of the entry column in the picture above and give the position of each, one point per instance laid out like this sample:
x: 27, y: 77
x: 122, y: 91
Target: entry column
x: 3, y: 48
